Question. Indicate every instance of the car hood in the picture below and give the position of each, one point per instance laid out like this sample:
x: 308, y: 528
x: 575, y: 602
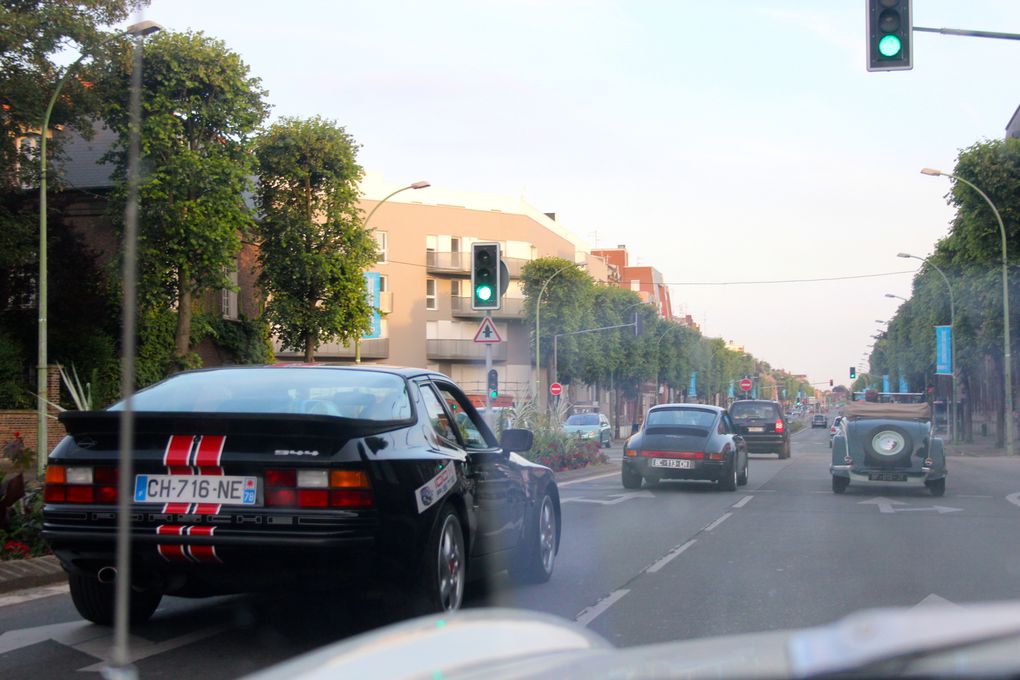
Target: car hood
x: 505, y: 643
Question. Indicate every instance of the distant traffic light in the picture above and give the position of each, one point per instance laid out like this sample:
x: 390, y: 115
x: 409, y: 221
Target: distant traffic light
x: 830, y: 382
x: 853, y: 372
x: 890, y: 39
x: 493, y: 383
x: 485, y: 271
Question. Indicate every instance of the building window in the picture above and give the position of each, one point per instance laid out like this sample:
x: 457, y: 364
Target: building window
x: 430, y: 294
x: 382, y: 284
x: 455, y: 288
x: 382, y: 243
x: 228, y: 298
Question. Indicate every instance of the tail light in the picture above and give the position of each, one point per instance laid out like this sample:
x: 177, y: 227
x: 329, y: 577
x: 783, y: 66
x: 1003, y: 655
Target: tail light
x: 779, y: 425
x: 344, y: 488
x: 81, y: 484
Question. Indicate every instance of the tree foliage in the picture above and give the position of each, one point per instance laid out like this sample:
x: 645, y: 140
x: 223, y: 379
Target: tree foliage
x: 314, y: 248
x: 201, y: 108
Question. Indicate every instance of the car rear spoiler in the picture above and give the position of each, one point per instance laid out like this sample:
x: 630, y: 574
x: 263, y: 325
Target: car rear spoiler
x: 150, y: 422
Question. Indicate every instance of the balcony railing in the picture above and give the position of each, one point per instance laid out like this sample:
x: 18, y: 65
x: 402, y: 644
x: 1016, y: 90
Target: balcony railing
x: 513, y: 308
x: 462, y: 350
x: 459, y: 262
x: 376, y: 348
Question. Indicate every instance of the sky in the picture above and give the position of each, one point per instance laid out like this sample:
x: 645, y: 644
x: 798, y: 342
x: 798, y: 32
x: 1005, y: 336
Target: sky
x: 719, y: 141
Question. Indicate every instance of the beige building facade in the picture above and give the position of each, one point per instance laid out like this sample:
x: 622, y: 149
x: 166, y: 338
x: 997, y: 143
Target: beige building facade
x: 425, y: 239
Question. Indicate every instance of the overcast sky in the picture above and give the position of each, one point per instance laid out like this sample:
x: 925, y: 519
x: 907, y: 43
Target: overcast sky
x: 720, y: 141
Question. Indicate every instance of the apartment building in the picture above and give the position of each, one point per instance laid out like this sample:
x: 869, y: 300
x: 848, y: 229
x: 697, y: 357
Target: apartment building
x: 423, y: 275
x: 646, y: 281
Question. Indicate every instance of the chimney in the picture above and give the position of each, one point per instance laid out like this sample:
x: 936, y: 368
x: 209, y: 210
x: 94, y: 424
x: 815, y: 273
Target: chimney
x: 551, y: 216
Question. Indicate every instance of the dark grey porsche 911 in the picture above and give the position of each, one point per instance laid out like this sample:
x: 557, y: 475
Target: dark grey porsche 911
x: 685, y: 441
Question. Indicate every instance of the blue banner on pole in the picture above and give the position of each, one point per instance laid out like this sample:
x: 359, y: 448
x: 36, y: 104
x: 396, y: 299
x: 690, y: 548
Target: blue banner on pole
x: 943, y: 350
x: 692, y: 391
x: 729, y: 391
x: 373, y: 283
x: 904, y: 387
x: 885, y: 383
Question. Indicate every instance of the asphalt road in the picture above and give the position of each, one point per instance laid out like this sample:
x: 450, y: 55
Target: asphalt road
x: 679, y: 561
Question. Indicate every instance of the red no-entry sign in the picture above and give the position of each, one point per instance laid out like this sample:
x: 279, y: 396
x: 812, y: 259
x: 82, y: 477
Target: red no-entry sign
x: 745, y: 384
x: 556, y: 389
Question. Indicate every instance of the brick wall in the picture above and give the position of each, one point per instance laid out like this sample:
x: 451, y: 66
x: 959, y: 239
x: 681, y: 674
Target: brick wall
x: 24, y: 421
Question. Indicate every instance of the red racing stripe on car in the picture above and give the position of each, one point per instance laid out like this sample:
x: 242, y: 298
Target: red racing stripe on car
x: 207, y: 509
x: 176, y: 508
x: 203, y: 553
x: 209, y: 453
x: 171, y: 553
x: 178, y: 450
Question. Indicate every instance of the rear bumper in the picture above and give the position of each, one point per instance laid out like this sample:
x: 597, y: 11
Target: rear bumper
x: 913, y: 477
x: 708, y: 470
x: 764, y: 443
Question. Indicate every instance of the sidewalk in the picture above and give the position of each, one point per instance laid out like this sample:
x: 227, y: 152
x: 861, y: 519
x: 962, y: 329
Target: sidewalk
x: 981, y: 447
x: 29, y: 573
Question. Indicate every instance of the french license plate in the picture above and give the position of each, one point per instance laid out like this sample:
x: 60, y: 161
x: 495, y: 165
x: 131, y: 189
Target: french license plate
x: 673, y: 463
x: 887, y: 477
x: 222, y: 490
x: 756, y: 429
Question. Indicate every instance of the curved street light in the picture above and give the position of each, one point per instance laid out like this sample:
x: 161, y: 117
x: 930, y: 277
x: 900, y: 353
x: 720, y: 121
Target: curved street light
x: 538, y: 326
x: 415, y: 185
x: 898, y: 297
x: 140, y: 29
x: 952, y: 325
x: 1007, y: 358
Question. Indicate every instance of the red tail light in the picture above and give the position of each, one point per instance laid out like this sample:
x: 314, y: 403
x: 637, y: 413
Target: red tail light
x: 688, y: 455
x: 88, y: 484
x: 346, y: 489
x: 779, y: 425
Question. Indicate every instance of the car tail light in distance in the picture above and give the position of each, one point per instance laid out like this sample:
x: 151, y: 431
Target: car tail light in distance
x: 320, y: 488
x: 83, y: 484
x: 717, y: 456
x: 630, y: 452
x: 779, y: 425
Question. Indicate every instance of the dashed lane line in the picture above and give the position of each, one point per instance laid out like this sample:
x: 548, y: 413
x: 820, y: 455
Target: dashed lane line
x: 588, y: 479
x: 742, y: 502
x: 717, y: 522
x: 589, y: 614
x: 668, y: 557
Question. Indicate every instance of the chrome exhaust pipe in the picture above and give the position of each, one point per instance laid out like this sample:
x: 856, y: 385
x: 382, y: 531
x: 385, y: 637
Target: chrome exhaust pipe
x: 107, y: 574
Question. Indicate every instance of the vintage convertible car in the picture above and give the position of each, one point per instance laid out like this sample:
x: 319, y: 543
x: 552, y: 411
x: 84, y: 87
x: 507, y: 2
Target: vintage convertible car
x: 888, y: 443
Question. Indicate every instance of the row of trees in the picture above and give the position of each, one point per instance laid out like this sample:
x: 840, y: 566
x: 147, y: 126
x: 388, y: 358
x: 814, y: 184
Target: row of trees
x: 205, y: 148
x: 666, y: 352
x: 970, y: 256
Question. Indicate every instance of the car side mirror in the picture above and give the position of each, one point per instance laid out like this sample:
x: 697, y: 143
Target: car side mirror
x: 514, y: 439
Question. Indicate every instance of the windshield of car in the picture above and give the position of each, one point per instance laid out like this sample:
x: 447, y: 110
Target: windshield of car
x: 744, y: 410
x: 583, y: 419
x: 363, y: 395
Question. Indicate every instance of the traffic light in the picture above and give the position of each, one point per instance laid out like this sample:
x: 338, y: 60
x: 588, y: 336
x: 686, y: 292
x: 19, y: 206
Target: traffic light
x: 639, y: 324
x: 493, y: 383
x: 830, y: 382
x: 853, y: 372
x: 485, y: 276
x: 890, y: 39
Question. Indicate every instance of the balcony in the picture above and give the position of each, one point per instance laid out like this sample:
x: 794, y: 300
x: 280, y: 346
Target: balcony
x: 462, y: 350
x: 376, y: 348
x: 513, y: 308
x: 385, y: 303
x: 459, y: 263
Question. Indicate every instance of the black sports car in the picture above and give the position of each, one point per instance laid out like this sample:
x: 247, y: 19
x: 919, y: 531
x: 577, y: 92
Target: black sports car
x: 260, y: 477
x: 685, y: 441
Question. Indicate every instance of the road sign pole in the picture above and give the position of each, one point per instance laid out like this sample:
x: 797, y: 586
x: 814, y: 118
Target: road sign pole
x: 488, y: 367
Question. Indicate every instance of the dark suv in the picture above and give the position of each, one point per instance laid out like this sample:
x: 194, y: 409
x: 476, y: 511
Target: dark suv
x: 762, y: 425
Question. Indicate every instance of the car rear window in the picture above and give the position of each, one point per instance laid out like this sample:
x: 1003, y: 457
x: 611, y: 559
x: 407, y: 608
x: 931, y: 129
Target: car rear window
x: 583, y: 419
x: 681, y: 417
x: 360, y: 394
x: 750, y: 409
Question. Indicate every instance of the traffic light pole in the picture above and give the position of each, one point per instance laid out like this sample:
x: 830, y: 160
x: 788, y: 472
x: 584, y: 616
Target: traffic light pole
x: 488, y: 367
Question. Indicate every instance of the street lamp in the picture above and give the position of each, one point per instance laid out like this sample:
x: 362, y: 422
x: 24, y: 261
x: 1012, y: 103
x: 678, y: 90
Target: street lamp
x: 140, y: 29
x: 880, y: 321
x: 952, y: 325
x: 1007, y: 359
x: 538, y: 326
x: 414, y: 185
x: 890, y: 295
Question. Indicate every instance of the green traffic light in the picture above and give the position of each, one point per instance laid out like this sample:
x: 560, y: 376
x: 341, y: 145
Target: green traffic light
x: 889, y: 46
x: 493, y: 394
x: 483, y: 293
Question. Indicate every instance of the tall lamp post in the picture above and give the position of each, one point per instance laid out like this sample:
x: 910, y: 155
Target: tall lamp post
x: 952, y: 324
x: 1007, y: 358
x: 42, y: 383
x: 415, y: 185
x: 538, y: 326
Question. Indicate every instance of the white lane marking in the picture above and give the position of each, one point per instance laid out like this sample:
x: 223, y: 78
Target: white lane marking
x: 972, y: 495
x: 719, y: 521
x: 33, y: 594
x: 589, y: 614
x: 616, y: 498
x: 764, y: 490
x: 742, y: 502
x: 665, y: 559
x: 937, y: 600
x: 1014, y: 498
x: 587, y: 479
x: 887, y: 506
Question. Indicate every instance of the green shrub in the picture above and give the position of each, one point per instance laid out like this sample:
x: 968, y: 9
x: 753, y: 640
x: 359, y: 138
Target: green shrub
x: 13, y: 380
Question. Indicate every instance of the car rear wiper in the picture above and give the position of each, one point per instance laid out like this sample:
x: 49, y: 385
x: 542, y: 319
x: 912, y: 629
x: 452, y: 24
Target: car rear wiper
x: 881, y: 639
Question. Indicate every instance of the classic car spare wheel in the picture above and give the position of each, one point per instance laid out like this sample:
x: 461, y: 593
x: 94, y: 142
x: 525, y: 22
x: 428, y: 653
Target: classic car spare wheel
x: 889, y: 443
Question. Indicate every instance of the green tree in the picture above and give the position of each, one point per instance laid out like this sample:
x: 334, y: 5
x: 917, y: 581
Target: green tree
x: 314, y: 248
x: 200, y: 109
